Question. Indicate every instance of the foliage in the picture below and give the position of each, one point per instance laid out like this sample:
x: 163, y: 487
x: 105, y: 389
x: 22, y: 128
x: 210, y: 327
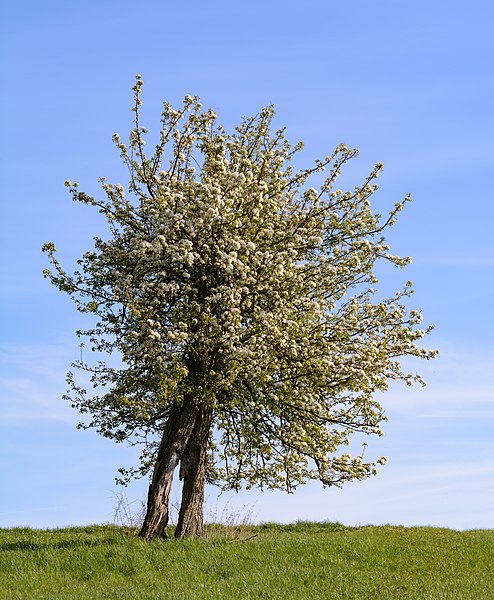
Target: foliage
x: 227, y: 278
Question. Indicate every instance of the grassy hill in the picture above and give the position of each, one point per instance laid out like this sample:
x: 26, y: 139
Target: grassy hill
x: 302, y: 561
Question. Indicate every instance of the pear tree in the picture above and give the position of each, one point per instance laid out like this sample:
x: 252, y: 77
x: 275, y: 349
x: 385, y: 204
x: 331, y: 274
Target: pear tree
x: 241, y: 303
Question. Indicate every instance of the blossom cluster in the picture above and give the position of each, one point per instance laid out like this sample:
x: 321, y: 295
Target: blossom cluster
x: 228, y: 279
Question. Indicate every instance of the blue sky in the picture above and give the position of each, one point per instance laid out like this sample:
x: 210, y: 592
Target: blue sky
x: 410, y: 84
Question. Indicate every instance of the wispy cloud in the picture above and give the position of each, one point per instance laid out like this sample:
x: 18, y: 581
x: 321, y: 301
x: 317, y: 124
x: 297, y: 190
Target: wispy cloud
x: 459, y: 383
x: 32, y: 381
x: 445, y: 495
x: 439, y: 476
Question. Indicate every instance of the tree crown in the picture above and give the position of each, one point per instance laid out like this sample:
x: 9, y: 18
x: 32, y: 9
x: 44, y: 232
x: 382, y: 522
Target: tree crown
x: 227, y: 279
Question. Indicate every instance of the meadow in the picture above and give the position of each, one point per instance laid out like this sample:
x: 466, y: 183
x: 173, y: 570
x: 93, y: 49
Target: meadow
x: 299, y: 561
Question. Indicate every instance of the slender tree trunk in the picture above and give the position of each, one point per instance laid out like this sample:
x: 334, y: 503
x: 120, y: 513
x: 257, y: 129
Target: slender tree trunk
x: 193, y: 472
x: 176, y: 434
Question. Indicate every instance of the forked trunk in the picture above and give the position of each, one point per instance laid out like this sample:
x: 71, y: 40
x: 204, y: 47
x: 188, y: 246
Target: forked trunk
x: 176, y: 434
x: 193, y: 472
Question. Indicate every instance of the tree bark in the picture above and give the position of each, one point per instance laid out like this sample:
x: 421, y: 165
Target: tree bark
x: 176, y: 434
x: 193, y: 473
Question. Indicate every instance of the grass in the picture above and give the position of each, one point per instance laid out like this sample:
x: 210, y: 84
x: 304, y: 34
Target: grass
x: 299, y: 561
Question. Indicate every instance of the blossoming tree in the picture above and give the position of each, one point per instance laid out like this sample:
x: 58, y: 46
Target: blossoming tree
x: 240, y: 303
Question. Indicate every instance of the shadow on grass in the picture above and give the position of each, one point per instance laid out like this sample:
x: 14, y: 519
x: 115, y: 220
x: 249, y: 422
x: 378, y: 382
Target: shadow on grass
x: 83, y: 537
x: 22, y: 545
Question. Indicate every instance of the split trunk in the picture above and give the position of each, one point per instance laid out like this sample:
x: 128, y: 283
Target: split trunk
x: 184, y: 441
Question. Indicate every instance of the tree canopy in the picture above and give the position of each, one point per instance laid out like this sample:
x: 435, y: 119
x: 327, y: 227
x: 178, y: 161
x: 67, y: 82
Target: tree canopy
x: 242, y: 305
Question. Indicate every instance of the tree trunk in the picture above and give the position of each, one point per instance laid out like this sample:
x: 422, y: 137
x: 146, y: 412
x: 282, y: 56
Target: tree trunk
x: 193, y: 472
x: 176, y: 434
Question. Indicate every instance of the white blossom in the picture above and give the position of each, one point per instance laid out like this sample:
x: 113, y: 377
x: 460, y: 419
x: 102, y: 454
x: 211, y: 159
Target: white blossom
x: 228, y: 279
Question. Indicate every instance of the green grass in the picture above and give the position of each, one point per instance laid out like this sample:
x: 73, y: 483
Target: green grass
x: 304, y: 560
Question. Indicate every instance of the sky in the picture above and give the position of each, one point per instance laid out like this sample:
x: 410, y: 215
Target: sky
x: 409, y: 84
